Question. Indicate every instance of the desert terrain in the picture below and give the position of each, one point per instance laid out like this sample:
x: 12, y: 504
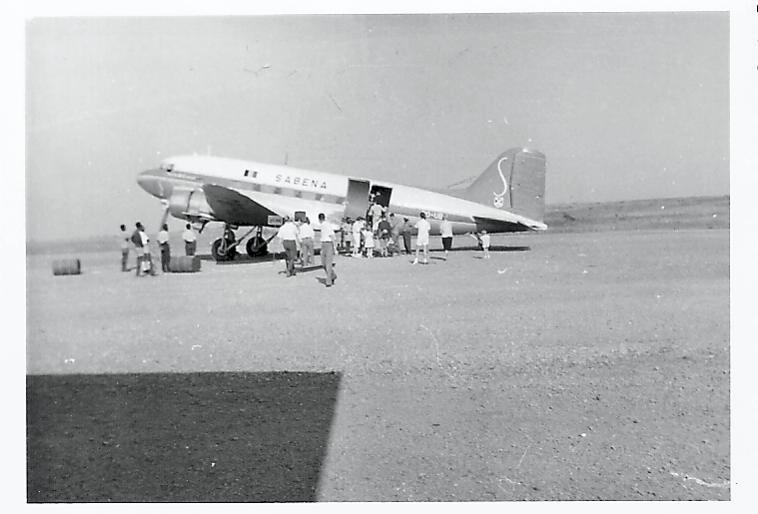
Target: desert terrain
x: 588, y: 362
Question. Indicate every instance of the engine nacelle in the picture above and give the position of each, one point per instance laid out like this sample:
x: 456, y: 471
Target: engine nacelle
x: 189, y: 204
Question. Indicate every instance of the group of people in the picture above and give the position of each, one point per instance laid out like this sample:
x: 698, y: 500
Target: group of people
x: 387, y: 231
x: 297, y: 236
x: 140, y: 241
x: 375, y: 232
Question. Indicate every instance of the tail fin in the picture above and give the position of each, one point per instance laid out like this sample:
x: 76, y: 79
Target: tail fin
x: 515, y: 181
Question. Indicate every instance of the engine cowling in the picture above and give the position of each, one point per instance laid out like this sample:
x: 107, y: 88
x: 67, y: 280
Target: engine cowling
x: 189, y: 204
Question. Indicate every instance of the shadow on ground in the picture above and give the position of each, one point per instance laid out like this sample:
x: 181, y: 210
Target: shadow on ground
x: 475, y: 248
x: 243, y: 258
x: 184, y: 437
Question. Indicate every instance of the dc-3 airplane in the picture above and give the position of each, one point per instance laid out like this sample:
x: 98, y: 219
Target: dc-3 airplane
x: 507, y: 197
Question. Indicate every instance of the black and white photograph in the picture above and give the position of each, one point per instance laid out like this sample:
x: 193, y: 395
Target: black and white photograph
x: 448, y: 255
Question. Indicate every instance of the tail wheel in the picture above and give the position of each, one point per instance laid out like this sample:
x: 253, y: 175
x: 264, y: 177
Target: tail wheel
x: 221, y: 253
x: 256, y: 246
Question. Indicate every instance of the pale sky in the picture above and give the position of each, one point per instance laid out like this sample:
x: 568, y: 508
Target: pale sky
x: 624, y: 105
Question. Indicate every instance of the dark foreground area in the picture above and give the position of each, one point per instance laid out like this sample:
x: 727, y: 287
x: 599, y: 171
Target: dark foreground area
x: 184, y: 437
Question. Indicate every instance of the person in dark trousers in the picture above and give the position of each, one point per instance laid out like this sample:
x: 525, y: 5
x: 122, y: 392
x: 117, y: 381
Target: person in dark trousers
x: 446, y: 230
x: 288, y: 234
x: 124, y: 237
x: 327, y: 249
x: 385, y: 232
x: 165, y: 248
x: 397, y: 226
x: 190, y: 240
x: 406, y: 232
x: 138, y: 248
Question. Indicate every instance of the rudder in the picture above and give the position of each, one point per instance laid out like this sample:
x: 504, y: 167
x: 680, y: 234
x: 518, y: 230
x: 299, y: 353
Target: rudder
x: 515, y: 181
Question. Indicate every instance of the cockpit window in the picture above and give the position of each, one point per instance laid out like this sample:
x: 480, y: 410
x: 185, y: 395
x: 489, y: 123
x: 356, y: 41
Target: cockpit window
x: 167, y: 166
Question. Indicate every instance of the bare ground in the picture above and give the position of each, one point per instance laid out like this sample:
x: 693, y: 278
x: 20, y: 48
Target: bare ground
x: 571, y: 366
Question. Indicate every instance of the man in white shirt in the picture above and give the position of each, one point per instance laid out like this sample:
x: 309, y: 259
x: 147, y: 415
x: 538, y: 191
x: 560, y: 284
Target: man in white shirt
x: 376, y: 214
x: 422, y: 239
x: 147, y: 258
x: 165, y: 248
x: 327, y: 249
x: 190, y: 240
x: 306, y: 242
x: 288, y: 234
x: 446, y: 228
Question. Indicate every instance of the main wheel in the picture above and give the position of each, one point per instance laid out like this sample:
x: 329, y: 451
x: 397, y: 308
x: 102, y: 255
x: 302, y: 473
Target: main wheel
x: 256, y: 246
x: 221, y: 253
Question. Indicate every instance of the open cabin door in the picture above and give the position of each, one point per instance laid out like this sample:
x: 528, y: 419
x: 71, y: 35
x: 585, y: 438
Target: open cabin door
x: 356, y: 203
x: 380, y: 195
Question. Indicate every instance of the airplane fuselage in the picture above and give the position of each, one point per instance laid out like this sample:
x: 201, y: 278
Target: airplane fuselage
x: 286, y: 191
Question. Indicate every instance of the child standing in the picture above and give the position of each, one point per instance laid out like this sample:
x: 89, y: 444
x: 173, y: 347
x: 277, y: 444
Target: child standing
x: 485, y: 240
x: 368, y: 242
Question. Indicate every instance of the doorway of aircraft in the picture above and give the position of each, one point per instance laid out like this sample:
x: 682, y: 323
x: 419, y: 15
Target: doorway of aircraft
x: 357, y: 198
x: 381, y: 195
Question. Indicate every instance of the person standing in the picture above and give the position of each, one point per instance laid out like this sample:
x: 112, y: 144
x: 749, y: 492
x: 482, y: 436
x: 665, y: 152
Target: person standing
x: 485, y: 239
x: 422, y: 239
x: 147, y: 258
x: 190, y: 240
x: 357, y: 229
x: 368, y: 241
x: 405, y: 230
x: 376, y: 214
x: 165, y: 248
x: 446, y: 229
x: 124, y: 239
x: 344, y: 245
x: 397, y: 226
x: 384, y: 229
x: 288, y: 235
x: 139, y: 250
x: 306, y: 242
x: 327, y: 249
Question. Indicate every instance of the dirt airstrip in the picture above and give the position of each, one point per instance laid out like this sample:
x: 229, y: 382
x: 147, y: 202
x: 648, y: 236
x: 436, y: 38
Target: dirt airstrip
x: 570, y: 366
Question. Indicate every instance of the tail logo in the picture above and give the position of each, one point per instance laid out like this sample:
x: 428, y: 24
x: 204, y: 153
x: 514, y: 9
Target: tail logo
x: 499, y: 199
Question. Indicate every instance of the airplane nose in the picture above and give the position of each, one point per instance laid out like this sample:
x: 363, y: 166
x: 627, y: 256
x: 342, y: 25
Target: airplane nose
x: 151, y: 182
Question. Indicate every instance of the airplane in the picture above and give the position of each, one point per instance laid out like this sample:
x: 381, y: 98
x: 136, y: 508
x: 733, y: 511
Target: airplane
x: 507, y: 197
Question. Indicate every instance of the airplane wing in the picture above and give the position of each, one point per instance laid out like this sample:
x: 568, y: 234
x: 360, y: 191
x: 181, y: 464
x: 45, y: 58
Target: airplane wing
x: 235, y: 208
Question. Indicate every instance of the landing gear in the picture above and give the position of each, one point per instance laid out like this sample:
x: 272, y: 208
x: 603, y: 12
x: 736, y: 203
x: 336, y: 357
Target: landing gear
x: 221, y: 251
x: 225, y: 248
x: 256, y: 246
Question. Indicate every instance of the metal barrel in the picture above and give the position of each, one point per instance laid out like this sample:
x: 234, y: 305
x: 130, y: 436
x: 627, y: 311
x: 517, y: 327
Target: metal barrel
x: 184, y: 264
x: 67, y: 267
